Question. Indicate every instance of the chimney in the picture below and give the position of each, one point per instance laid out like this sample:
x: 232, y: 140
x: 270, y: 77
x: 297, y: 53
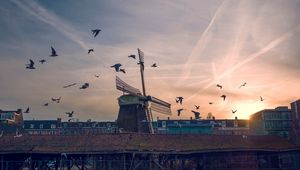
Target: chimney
x: 157, y: 118
x: 59, y: 119
x: 168, y: 118
x: 236, y: 117
x: 191, y: 118
x: 213, y: 117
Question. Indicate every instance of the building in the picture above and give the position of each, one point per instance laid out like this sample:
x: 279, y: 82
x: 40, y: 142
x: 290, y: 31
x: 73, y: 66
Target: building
x: 276, y: 121
x: 42, y: 127
x: 213, y: 126
x: 295, y: 131
x: 11, y: 116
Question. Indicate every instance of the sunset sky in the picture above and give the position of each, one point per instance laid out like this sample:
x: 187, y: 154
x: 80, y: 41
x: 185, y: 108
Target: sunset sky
x: 196, y: 45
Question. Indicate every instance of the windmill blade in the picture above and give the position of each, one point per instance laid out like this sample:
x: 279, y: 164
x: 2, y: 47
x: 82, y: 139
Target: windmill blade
x: 160, y: 106
x: 126, y: 88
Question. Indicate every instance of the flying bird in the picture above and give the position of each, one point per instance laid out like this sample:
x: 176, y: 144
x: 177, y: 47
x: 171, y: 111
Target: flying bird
x: 90, y: 50
x: 96, y: 32
x: 46, y: 104
x: 116, y: 66
x: 122, y: 70
x: 197, y: 107
x: 97, y: 76
x: 57, y: 100
x: 30, y: 65
x: 42, y: 61
x: 179, y: 111
x: 261, y: 99
x: 132, y: 56
x: 179, y: 99
x: 69, y: 85
x: 85, y: 86
x: 220, y: 86
x: 53, y: 52
x: 210, y: 103
x: 70, y: 114
x: 154, y: 65
x: 224, y: 97
x: 233, y: 111
x: 197, y: 114
x: 243, y: 85
x: 27, y: 110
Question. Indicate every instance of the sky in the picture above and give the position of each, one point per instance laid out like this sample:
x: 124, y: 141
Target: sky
x: 196, y: 45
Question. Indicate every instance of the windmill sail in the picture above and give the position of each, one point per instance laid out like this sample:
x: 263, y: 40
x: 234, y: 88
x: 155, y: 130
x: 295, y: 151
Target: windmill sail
x: 126, y: 88
x: 160, y: 106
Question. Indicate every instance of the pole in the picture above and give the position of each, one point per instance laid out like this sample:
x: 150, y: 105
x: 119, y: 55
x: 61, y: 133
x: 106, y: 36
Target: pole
x: 141, y: 63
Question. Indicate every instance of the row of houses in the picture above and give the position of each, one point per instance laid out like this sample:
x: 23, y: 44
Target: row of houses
x: 281, y: 121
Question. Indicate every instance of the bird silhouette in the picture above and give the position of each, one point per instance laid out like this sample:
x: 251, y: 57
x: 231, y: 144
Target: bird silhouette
x: 69, y: 85
x: 30, y: 65
x: 122, y: 70
x: 197, y: 107
x: 27, y: 110
x: 243, y: 85
x: 179, y: 111
x: 96, y: 32
x: 97, y: 76
x: 116, y: 66
x: 70, y: 114
x: 90, y: 50
x: 233, y: 111
x: 57, y: 100
x: 85, y: 86
x: 179, y: 99
x: 224, y: 97
x: 132, y: 56
x: 42, y: 61
x: 210, y: 103
x: 197, y: 114
x: 220, y: 86
x: 154, y: 65
x: 261, y: 99
x: 46, y: 104
x: 53, y: 52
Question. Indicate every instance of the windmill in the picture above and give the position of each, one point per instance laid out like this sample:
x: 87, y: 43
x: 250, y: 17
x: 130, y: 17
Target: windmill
x: 135, y: 113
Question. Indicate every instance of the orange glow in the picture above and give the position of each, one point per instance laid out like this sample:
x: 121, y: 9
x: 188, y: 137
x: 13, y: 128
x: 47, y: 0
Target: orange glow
x: 245, y: 109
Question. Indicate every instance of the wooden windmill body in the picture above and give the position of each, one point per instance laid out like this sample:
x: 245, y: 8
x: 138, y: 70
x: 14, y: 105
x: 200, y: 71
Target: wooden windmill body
x: 135, y: 113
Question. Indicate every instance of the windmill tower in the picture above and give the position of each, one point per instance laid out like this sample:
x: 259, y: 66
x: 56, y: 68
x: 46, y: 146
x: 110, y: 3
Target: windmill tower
x: 135, y: 113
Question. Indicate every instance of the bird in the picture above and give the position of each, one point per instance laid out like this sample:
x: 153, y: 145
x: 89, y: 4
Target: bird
x: 42, y: 61
x: 85, y: 86
x: 197, y: 107
x: 197, y: 114
x: 179, y: 99
x: 96, y: 32
x: 70, y: 114
x: 132, y: 56
x: 27, y: 110
x: 220, y: 86
x: 243, y: 85
x: 97, y: 76
x: 224, y: 97
x: 123, y: 70
x: 116, y: 66
x: 53, y: 52
x: 30, y: 65
x: 179, y: 111
x: 154, y: 65
x: 90, y: 50
x: 57, y: 100
x: 261, y: 99
x: 233, y: 111
x: 69, y: 85
x: 46, y: 104
x: 210, y: 103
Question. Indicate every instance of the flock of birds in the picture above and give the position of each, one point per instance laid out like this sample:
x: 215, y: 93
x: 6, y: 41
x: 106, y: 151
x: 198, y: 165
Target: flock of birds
x: 117, y: 67
x: 179, y: 100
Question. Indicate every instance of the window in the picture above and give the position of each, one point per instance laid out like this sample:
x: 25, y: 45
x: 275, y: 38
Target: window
x: 41, y: 126
x: 31, y: 126
x: 53, y: 126
x: 163, y: 124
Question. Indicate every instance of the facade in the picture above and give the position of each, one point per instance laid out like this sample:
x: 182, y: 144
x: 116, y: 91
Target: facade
x: 276, y: 121
x: 295, y: 131
x: 42, y: 127
x: 213, y: 126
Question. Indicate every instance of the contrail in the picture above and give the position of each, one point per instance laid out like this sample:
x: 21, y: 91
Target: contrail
x: 42, y: 14
x: 264, y: 50
x: 198, y: 48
